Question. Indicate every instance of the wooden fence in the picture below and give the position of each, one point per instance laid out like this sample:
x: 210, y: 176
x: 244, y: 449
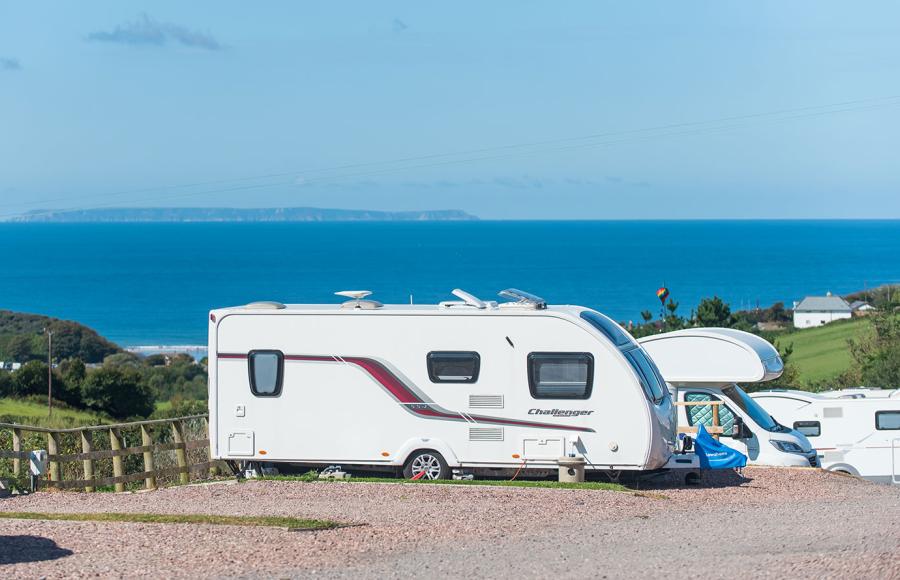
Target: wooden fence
x: 172, y: 431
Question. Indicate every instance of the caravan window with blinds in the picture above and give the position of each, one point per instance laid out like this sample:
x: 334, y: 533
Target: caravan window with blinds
x: 453, y: 366
x: 266, y: 372
x: 560, y: 375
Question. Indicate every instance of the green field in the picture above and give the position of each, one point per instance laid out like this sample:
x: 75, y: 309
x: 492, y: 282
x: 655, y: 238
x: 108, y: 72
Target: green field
x: 822, y: 353
x: 36, y: 414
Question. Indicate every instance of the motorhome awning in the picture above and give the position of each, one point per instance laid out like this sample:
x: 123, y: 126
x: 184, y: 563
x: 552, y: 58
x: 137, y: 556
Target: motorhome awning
x: 713, y: 356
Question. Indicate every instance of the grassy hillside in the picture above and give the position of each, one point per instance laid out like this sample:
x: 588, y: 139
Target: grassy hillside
x: 30, y: 413
x: 822, y: 353
x: 22, y: 338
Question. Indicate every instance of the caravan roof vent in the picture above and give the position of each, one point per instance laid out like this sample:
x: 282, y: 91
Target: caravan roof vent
x: 265, y: 305
x: 356, y: 300
x: 466, y: 299
x: 522, y: 299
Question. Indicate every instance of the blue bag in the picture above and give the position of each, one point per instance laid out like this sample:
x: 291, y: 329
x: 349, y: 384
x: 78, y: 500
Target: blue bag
x: 715, y: 455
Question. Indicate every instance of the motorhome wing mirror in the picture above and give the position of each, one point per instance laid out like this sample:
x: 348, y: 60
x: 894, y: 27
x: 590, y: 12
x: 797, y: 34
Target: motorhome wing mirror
x: 737, y: 429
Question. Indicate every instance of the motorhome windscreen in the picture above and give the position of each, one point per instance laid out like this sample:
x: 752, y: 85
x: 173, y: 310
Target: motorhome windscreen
x: 752, y: 408
x: 650, y: 379
x: 609, y: 328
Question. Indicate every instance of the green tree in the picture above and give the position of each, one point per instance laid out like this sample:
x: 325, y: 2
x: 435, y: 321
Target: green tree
x: 30, y: 379
x: 118, y: 392
x: 877, y: 354
x: 122, y: 360
x: 714, y: 312
x: 19, y: 348
x: 6, y: 384
x: 646, y: 315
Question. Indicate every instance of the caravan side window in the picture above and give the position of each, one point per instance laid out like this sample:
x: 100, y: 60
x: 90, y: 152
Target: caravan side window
x: 453, y: 366
x: 266, y: 372
x: 808, y: 428
x: 560, y: 375
x: 887, y: 420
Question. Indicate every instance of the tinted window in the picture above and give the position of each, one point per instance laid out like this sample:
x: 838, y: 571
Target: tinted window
x: 453, y: 367
x: 608, y: 327
x: 808, y: 428
x: 560, y: 375
x: 697, y: 414
x: 887, y: 420
x: 266, y: 372
x: 651, y: 381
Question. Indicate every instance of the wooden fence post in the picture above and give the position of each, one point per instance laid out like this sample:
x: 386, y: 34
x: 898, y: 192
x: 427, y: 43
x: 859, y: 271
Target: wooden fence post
x: 715, y: 419
x: 87, y: 446
x: 115, y: 443
x: 17, y: 447
x: 147, y: 441
x: 180, y: 454
x: 53, y: 449
x: 213, y: 471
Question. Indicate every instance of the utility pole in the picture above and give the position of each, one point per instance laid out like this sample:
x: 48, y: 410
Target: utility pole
x: 49, y: 372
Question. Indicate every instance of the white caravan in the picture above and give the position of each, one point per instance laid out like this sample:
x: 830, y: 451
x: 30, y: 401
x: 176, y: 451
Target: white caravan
x: 855, y: 431
x: 465, y: 385
x: 705, y: 364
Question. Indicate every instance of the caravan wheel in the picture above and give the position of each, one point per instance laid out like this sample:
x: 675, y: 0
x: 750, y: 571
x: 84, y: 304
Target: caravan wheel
x: 426, y: 464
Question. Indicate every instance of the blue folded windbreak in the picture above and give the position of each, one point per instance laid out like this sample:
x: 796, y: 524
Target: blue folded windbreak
x: 715, y: 455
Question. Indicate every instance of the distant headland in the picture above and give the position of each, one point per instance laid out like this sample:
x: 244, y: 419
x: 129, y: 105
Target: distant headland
x: 230, y: 214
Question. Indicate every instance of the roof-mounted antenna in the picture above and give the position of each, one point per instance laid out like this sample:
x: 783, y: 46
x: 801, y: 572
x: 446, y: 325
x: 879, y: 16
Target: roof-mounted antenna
x: 466, y: 299
x: 356, y: 299
x: 523, y: 299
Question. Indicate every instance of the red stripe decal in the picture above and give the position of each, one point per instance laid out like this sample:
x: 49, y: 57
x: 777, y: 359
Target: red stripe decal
x: 404, y: 395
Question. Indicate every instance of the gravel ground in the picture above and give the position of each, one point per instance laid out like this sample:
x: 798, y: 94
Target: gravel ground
x: 775, y: 523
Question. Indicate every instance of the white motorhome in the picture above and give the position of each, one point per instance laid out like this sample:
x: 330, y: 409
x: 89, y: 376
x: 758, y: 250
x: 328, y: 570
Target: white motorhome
x: 855, y: 431
x: 464, y: 385
x: 705, y: 364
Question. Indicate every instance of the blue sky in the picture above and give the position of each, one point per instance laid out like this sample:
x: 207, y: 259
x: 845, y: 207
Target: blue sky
x: 300, y: 104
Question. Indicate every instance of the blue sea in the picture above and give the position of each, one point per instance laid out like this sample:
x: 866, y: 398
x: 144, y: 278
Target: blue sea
x: 154, y: 283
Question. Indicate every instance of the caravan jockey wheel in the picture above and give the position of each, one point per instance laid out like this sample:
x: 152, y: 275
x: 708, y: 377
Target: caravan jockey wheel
x: 426, y: 464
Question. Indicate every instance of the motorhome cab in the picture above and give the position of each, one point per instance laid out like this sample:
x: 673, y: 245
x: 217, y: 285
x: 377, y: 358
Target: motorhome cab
x: 705, y: 364
x: 855, y: 431
x: 426, y: 389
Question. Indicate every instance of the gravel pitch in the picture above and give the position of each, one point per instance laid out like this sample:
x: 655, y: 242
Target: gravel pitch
x: 775, y: 523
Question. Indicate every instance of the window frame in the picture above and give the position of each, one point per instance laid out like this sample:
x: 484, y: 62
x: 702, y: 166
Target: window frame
x: 807, y: 424
x: 878, y: 415
x: 712, y: 397
x: 437, y: 380
x: 279, y: 377
x: 532, y: 382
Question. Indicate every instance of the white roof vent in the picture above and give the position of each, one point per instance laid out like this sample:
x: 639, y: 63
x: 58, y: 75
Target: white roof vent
x: 465, y: 299
x: 356, y: 300
x: 522, y: 299
x: 265, y: 305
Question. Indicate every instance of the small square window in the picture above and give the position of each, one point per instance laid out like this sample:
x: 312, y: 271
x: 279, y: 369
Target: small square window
x: 266, y: 372
x: 560, y: 375
x: 808, y: 428
x: 887, y: 420
x: 453, y: 366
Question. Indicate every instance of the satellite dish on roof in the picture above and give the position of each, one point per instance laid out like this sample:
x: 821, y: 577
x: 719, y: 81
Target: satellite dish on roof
x: 354, y: 294
x: 356, y: 299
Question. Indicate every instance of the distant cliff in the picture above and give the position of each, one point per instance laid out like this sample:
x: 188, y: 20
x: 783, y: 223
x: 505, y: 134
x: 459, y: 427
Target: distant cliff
x: 228, y: 214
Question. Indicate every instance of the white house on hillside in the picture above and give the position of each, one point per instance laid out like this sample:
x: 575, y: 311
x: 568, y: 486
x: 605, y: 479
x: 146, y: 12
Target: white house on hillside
x: 818, y: 310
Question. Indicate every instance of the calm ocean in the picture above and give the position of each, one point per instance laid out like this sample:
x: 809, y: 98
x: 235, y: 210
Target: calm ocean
x: 147, y: 284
